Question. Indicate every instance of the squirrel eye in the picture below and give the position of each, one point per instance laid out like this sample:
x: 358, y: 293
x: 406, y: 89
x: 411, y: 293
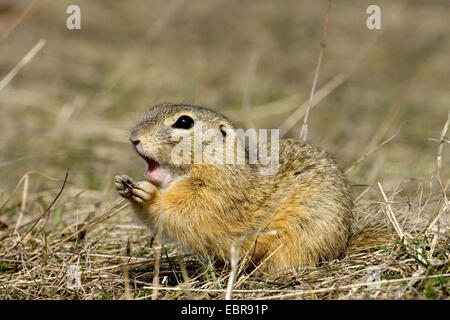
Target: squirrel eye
x: 183, y: 122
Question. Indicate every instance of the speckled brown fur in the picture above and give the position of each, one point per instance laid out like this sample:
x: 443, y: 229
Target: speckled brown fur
x: 206, y: 207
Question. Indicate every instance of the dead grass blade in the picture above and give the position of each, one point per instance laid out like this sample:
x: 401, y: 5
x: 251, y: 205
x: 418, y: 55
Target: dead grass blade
x: 104, y: 216
x: 24, y: 201
x: 45, y: 212
x: 391, y: 216
x: 156, y: 267
x: 442, y: 139
x: 304, y: 130
x: 370, y: 152
x: 19, y: 20
x: 26, y: 59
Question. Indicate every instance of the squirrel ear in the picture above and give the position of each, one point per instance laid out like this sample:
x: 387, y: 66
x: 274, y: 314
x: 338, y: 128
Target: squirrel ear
x: 223, y: 129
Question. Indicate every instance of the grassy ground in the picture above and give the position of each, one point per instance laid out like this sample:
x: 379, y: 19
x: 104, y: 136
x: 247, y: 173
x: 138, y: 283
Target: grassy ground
x: 70, y: 107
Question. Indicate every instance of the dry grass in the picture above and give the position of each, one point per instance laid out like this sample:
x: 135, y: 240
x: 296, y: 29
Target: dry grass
x: 68, y: 105
x: 116, y: 254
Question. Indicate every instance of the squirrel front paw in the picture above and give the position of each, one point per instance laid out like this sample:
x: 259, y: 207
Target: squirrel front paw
x: 139, y: 192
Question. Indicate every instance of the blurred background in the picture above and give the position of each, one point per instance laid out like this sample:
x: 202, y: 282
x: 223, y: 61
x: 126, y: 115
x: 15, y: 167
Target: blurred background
x: 71, y: 106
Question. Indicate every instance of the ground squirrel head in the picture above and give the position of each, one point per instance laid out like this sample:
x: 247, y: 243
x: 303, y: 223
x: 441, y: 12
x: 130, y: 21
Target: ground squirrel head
x: 157, y: 138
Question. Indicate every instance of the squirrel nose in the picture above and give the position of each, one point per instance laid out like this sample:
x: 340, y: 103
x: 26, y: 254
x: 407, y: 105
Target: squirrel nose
x: 135, y: 142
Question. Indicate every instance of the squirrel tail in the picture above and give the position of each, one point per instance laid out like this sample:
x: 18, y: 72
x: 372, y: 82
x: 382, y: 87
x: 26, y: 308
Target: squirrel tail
x: 368, y: 234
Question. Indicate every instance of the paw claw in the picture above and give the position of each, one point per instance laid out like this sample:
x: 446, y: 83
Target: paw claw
x: 138, y: 192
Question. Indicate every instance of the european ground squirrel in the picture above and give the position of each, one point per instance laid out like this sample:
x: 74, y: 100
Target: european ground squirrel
x: 299, y: 214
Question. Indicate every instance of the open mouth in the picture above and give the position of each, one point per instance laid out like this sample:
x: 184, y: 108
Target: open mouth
x: 153, y: 172
x: 152, y: 169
